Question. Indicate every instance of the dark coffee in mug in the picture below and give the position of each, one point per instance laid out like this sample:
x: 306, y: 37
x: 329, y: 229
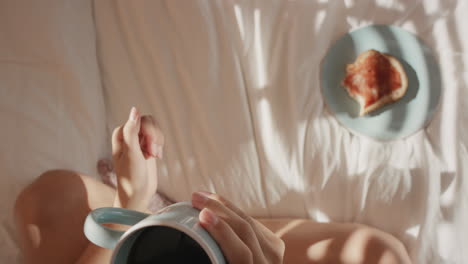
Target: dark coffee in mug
x: 161, y: 244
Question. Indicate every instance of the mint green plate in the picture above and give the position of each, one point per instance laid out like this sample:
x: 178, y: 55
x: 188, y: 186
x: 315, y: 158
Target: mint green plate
x: 397, y: 120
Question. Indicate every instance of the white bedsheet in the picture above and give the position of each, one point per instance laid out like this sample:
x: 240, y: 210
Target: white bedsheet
x: 235, y: 87
x: 51, y: 101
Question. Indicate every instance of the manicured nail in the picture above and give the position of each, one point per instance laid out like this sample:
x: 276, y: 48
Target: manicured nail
x: 133, y: 114
x: 199, y: 199
x: 207, y: 217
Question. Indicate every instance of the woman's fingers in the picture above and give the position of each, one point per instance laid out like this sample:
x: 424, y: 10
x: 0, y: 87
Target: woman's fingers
x: 117, y: 143
x: 131, y: 129
x: 258, y: 228
x: 230, y: 205
x: 264, y: 245
x: 139, y: 133
x: 234, y: 249
x: 241, y: 227
x: 151, y: 137
x: 265, y: 237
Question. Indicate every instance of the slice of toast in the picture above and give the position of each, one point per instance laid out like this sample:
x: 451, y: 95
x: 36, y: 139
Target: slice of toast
x: 374, y: 80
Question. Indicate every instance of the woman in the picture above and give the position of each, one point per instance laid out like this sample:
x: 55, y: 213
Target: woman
x: 50, y: 214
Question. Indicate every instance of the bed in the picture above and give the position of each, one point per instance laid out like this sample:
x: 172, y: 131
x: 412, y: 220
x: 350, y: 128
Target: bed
x: 235, y: 87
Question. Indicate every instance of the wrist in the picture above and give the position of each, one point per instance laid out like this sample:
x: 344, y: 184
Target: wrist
x: 132, y: 198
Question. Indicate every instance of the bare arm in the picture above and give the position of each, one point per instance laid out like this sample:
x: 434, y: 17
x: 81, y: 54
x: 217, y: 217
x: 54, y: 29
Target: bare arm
x: 135, y: 145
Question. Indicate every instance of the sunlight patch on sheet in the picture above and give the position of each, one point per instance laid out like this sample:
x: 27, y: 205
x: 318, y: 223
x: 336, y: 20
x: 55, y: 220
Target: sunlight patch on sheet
x: 413, y: 231
x: 259, y: 56
x: 319, y: 20
x: 320, y: 216
x: 446, y: 239
x: 410, y: 26
x: 448, y: 126
x: 357, y: 22
x: 268, y: 134
x: 390, y: 4
x: 240, y: 21
x: 275, y: 152
x: 432, y: 7
x: 349, y: 3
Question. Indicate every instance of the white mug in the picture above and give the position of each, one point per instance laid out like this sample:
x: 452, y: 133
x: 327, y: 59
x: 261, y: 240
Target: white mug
x: 172, y: 232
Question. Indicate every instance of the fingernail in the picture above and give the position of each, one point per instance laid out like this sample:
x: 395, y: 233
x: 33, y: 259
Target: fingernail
x: 133, y: 114
x: 199, y: 199
x: 208, y: 217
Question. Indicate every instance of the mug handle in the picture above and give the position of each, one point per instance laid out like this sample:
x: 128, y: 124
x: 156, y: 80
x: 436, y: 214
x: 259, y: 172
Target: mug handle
x: 104, y: 236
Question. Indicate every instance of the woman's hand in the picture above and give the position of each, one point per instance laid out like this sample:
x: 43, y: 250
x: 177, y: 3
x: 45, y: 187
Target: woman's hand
x: 135, y: 145
x: 241, y: 238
